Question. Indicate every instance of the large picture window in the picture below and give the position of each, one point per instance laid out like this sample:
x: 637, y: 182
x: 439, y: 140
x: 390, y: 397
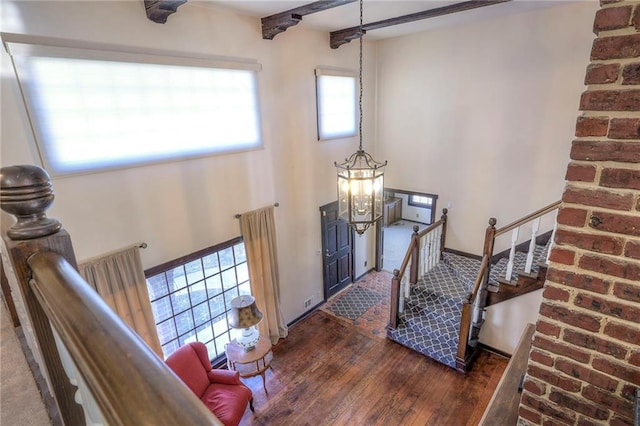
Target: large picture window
x: 336, y: 104
x: 94, y: 109
x: 191, y: 296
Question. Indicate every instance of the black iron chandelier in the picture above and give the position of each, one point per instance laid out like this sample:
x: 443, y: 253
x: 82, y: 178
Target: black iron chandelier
x: 360, y: 177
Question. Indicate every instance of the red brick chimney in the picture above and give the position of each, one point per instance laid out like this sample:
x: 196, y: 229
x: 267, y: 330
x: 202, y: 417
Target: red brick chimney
x: 584, y: 366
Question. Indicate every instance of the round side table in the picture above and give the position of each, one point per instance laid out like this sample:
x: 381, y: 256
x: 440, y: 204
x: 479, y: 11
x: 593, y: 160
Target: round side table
x: 250, y: 363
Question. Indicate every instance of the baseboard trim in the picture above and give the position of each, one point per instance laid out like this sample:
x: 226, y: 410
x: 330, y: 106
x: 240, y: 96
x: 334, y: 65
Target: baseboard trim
x: 462, y: 253
x: 494, y: 350
x: 306, y: 314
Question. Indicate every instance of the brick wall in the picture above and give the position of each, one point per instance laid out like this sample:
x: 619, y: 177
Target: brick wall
x: 584, y: 365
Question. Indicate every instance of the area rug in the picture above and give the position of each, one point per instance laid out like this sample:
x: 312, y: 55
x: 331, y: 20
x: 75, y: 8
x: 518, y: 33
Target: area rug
x: 355, y: 302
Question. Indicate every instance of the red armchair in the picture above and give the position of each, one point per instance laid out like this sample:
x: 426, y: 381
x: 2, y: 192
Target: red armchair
x: 220, y: 390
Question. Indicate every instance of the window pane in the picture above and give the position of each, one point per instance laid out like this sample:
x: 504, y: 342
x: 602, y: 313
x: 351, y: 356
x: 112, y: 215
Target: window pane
x: 211, y: 265
x: 194, y: 271
x: 180, y: 301
x: 184, y: 322
x: 229, y: 278
x: 243, y: 272
x: 336, y: 103
x: 214, y: 286
x: 226, y: 258
x: 157, y: 286
x: 95, y: 113
x: 221, y: 342
x: 201, y: 313
x: 167, y: 330
x: 205, y: 332
x: 240, y: 253
x: 216, y: 305
x: 176, y: 278
x: 198, y: 293
x: 162, y: 309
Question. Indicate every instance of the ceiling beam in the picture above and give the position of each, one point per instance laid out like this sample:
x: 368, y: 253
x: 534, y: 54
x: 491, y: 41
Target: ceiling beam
x: 159, y: 10
x: 275, y: 24
x: 340, y: 37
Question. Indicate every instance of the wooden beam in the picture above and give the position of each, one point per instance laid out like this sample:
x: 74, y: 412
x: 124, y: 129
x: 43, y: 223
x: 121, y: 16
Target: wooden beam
x: 275, y: 24
x: 159, y: 10
x: 340, y: 37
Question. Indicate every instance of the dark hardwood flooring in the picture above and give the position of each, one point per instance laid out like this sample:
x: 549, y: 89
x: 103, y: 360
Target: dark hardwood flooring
x: 331, y: 373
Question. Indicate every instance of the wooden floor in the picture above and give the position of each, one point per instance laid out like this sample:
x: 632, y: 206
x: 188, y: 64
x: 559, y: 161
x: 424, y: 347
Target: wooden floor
x: 331, y: 373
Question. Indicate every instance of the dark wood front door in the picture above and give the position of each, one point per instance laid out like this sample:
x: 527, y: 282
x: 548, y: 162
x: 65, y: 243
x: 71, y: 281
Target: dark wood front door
x: 337, y: 252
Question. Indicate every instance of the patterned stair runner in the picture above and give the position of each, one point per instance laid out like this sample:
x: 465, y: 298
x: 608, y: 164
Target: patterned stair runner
x: 430, y: 323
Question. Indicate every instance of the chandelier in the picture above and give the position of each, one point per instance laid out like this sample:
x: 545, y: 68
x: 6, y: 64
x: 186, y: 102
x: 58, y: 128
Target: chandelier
x: 360, y: 177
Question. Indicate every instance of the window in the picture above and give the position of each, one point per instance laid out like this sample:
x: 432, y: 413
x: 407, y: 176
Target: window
x: 336, y: 104
x: 95, y: 109
x: 420, y: 201
x: 191, y: 296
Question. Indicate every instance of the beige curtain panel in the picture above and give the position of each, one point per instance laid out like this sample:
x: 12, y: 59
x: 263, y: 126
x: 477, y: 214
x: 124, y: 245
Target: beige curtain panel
x: 118, y: 278
x: 259, y: 234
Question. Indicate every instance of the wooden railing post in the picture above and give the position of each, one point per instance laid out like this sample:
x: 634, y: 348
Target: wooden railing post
x: 26, y: 193
x: 395, y: 299
x: 415, y: 255
x: 443, y: 236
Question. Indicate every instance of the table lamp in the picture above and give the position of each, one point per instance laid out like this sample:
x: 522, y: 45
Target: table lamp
x: 245, y: 316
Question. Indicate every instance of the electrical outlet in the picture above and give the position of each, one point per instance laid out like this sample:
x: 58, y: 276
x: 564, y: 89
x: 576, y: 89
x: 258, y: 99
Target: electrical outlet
x: 307, y: 303
x: 418, y: 215
x: 365, y: 263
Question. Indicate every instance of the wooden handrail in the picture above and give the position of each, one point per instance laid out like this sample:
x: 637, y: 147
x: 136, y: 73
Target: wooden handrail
x: 528, y: 218
x: 430, y: 228
x: 484, y: 266
x: 128, y: 381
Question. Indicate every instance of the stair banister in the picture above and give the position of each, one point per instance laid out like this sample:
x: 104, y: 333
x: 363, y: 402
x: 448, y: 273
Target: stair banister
x: 129, y: 383
x: 414, y: 260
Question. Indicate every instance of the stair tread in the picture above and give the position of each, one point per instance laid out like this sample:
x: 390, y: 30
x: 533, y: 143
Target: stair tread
x: 434, y: 305
x: 433, y: 346
x: 442, y: 280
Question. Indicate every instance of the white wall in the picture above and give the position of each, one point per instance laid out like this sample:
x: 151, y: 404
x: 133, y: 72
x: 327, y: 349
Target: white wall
x: 483, y: 115
x: 184, y: 206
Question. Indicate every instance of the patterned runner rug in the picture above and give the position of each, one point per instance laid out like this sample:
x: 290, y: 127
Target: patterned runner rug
x: 355, y: 302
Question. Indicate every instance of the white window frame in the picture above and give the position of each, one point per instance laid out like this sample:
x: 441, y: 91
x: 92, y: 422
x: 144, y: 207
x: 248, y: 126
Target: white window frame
x: 327, y: 108
x: 202, y: 140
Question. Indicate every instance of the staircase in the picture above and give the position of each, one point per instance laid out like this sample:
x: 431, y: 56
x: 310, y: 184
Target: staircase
x: 440, y: 309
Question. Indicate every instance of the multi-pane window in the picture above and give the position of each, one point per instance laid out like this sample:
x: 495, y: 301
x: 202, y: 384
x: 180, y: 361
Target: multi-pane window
x: 420, y: 201
x: 191, y: 296
x: 94, y: 109
x: 336, y: 104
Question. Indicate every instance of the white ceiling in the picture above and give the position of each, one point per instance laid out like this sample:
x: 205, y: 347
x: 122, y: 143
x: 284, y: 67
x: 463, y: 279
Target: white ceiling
x: 375, y: 10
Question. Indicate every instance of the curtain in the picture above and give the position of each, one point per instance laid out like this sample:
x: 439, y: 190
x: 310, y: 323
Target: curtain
x: 118, y: 277
x: 259, y: 234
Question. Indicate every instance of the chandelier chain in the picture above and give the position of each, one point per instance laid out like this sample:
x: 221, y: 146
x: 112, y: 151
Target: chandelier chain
x: 360, y: 79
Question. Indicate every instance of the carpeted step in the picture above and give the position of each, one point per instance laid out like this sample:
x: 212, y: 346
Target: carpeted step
x: 430, y: 337
x: 465, y: 268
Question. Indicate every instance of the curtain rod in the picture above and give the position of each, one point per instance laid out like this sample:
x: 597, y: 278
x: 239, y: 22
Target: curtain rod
x: 238, y: 216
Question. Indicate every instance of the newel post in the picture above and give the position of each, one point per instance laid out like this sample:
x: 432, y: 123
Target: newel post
x: 489, y: 240
x: 395, y: 300
x: 443, y: 236
x: 26, y: 193
x: 415, y: 255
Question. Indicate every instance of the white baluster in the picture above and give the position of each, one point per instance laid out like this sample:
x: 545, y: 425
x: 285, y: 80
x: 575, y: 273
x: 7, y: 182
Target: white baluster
x: 532, y: 245
x: 427, y: 257
x: 92, y: 414
x: 432, y: 253
x: 405, y: 280
x: 438, y: 239
x: 512, y: 254
x: 403, y: 285
x: 553, y: 235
